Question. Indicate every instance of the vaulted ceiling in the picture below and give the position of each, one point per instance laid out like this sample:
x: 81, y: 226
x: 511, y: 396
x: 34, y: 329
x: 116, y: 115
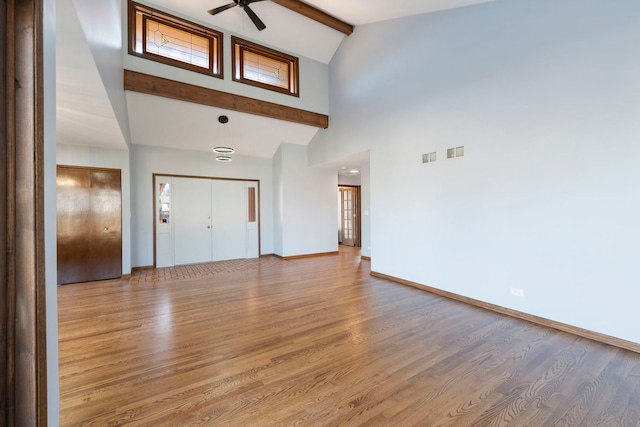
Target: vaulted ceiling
x: 92, y: 111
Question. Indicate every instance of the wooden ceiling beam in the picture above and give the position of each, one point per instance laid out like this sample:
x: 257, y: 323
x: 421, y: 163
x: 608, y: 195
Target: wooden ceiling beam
x: 316, y: 14
x: 153, y: 85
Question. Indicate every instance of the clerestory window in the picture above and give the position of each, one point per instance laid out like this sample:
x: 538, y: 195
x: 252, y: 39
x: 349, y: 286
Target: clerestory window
x: 264, y: 67
x: 164, y: 38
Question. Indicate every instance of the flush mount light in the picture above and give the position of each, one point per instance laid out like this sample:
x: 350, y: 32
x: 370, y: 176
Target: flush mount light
x: 354, y: 171
x: 223, y: 158
x: 223, y: 150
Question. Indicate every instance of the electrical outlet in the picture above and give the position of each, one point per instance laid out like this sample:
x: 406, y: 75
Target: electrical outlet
x: 517, y: 292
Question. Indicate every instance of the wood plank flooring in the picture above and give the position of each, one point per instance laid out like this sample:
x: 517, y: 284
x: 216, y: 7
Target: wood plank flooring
x: 320, y: 342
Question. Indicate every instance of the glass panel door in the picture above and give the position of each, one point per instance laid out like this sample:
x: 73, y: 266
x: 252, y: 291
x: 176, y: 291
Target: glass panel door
x: 347, y: 216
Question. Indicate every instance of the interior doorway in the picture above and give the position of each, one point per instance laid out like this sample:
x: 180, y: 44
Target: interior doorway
x: 349, y: 218
x: 201, y: 219
x: 89, y: 224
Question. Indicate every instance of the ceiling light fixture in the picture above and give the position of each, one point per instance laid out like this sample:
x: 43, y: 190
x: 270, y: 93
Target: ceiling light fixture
x: 225, y: 151
x: 354, y: 171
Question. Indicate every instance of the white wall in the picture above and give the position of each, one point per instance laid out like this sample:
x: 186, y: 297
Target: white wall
x: 74, y: 155
x: 348, y: 179
x: 102, y: 25
x: 307, y: 205
x: 365, y: 208
x: 544, y: 95
x: 278, y: 201
x: 145, y: 161
x: 50, y: 235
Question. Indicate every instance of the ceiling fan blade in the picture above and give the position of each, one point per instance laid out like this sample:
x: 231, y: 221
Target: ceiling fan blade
x: 252, y: 1
x: 256, y: 21
x: 217, y: 10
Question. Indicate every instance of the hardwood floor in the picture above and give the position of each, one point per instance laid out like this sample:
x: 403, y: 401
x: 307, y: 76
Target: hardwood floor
x: 320, y: 342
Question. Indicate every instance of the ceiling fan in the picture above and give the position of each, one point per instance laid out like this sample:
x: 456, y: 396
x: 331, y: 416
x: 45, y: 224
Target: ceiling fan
x: 244, y: 4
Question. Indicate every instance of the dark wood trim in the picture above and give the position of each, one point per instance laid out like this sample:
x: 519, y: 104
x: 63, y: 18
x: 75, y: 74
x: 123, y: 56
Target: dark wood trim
x: 215, y: 39
x: 317, y: 15
x: 289, y: 258
x: 38, y: 158
x: 142, y: 268
x: 88, y: 167
x: 153, y: 85
x: 7, y: 281
x: 153, y: 216
x: 365, y: 258
x: 358, y: 207
x: 237, y: 61
x: 259, y: 223
x: 24, y: 388
x: 204, y: 177
x: 585, y: 333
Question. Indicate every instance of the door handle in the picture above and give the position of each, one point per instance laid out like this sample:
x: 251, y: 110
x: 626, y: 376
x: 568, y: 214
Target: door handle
x: 208, y: 226
x: 106, y: 229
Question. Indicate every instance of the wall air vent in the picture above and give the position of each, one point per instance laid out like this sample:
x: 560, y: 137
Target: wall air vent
x: 455, y: 152
x: 429, y: 157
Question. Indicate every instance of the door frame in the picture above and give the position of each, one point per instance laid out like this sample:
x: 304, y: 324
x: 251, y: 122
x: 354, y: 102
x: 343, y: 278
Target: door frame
x: 153, y: 204
x: 23, y: 359
x: 357, y: 204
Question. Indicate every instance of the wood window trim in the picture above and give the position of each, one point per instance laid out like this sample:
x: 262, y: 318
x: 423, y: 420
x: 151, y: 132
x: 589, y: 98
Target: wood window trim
x: 214, y: 37
x: 251, y: 204
x: 241, y: 45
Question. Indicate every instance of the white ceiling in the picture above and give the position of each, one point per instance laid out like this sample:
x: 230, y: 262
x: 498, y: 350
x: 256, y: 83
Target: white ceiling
x: 85, y: 114
x: 290, y: 31
x: 359, y: 12
x: 197, y: 127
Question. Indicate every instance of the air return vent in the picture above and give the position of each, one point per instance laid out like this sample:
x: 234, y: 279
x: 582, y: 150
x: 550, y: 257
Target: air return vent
x: 455, y: 152
x: 429, y: 157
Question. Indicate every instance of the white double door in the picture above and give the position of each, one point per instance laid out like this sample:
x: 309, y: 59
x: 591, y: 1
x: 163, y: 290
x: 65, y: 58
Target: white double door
x: 208, y: 220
